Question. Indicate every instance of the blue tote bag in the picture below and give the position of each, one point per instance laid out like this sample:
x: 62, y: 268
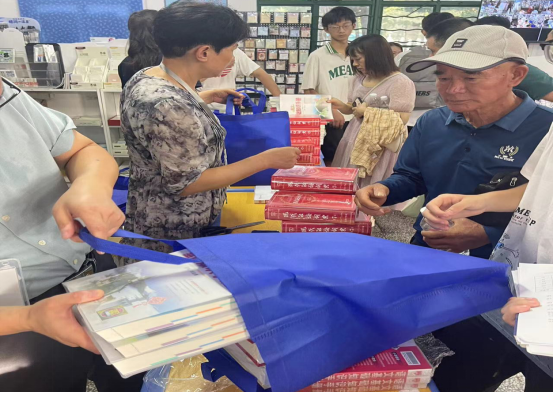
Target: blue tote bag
x: 248, y: 135
x: 317, y: 303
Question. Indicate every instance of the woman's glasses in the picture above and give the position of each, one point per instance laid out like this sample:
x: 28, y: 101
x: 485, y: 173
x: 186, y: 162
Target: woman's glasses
x: 13, y: 87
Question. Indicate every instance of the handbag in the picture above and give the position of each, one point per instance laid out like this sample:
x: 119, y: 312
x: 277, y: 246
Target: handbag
x: 500, y: 182
x: 337, y: 298
x: 248, y: 135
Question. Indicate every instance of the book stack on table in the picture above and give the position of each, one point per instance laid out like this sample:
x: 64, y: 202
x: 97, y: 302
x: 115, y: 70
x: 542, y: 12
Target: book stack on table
x: 305, y: 134
x: 317, y: 200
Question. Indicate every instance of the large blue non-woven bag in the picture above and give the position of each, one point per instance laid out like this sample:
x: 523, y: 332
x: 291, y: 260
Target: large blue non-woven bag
x: 318, y: 303
x: 248, y: 135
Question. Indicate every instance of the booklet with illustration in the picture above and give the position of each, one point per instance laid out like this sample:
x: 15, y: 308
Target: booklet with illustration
x: 306, y: 105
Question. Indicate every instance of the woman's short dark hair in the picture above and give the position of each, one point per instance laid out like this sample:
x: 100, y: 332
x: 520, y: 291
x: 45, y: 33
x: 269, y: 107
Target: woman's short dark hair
x: 379, y: 59
x: 337, y: 15
x: 143, y: 50
x: 183, y: 26
x: 396, y: 45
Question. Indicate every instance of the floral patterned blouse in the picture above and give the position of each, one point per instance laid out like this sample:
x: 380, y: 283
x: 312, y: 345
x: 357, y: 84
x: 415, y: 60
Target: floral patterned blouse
x: 171, y: 141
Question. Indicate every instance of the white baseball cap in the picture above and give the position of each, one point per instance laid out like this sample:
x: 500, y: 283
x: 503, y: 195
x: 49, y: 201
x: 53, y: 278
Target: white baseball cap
x: 477, y: 48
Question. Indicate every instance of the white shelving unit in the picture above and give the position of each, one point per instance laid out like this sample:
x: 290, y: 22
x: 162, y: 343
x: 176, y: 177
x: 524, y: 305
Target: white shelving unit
x: 101, y: 104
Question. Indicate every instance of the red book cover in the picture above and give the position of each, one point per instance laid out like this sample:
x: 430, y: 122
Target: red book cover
x: 305, y: 122
x: 323, y: 179
x: 305, y: 158
x: 303, y: 132
x: 298, y: 141
x: 404, y: 367
x: 115, y: 121
x: 298, y: 206
x: 362, y: 228
x: 305, y: 148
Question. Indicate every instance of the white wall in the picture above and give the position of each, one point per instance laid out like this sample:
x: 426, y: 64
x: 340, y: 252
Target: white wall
x: 9, y: 8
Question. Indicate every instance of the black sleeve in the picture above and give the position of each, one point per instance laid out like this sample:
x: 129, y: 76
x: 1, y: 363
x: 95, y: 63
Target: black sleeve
x: 126, y: 70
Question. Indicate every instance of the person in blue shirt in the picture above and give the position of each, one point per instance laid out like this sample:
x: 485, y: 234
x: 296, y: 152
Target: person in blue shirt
x: 485, y: 129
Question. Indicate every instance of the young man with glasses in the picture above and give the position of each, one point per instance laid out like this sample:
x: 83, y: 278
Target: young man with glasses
x: 328, y: 70
x: 35, y: 206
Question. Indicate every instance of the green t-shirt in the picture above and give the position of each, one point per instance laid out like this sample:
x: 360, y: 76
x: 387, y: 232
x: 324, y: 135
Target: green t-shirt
x: 537, y: 83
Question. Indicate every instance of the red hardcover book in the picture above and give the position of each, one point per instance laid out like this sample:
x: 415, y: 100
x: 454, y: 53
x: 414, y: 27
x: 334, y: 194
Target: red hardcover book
x: 299, y: 132
x: 404, y: 367
x: 324, y: 179
x: 299, y: 206
x: 362, y: 228
x: 305, y: 122
x: 297, y: 141
x: 305, y: 148
x: 115, y: 121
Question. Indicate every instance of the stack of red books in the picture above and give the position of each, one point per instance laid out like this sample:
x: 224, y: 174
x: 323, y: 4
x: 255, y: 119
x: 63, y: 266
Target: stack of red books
x: 306, y: 136
x: 316, y: 200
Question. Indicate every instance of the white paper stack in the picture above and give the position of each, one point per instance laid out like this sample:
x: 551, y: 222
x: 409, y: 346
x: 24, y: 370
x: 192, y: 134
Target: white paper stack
x: 534, y: 329
x: 154, y: 314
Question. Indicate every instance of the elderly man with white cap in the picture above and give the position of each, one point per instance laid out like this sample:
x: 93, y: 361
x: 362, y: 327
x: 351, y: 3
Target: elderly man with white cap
x: 486, y: 130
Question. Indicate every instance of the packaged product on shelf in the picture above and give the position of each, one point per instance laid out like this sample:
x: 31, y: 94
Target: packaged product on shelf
x: 249, y: 43
x: 273, y: 54
x: 293, y: 17
x: 293, y: 57
x: 303, y: 56
x: 270, y: 65
x: 282, y: 89
x: 304, y: 43
x: 279, y: 78
x: 281, y: 43
x: 253, y: 31
x: 305, y: 32
x: 294, y: 32
x: 302, y: 69
x: 281, y: 65
x: 292, y: 43
x: 290, y: 89
x: 291, y: 79
x: 273, y: 30
x: 301, y: 206
x: 279, y: 17
x: 325, y: 179
x: 263, y: 31
x: 252, y: 17
x: 241, y: 44
x: 284, y: 30
x: 306, y: 18
x: 260, y: 43
x: 293, y: 67
x: 260, y: 64
x: 270, y: 43
x: 283, y: 54
x: 262, y: 54
x: 265, y: 17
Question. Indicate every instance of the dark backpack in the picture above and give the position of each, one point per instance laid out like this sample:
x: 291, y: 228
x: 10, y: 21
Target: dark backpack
x: 425, y: 80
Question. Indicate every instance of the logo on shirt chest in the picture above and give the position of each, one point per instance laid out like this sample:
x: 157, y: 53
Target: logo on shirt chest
x: 506, y: 153
x: 340, y: 71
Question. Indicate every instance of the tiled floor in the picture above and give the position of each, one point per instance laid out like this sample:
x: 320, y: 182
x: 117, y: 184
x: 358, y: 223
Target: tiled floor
x: 397, y: 227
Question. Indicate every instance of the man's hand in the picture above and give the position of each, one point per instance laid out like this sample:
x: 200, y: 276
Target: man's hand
x: 464, y: 235
x: 54, y: 318
x: 515, y: 306
x: 90, y: 203
x: 447, y: 207
x: 220, y: 96
x: 339, y: 119
x: 370, y: 199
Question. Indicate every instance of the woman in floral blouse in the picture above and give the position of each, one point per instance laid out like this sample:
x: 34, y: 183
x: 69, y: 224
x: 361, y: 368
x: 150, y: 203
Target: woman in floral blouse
x: 178, y: 174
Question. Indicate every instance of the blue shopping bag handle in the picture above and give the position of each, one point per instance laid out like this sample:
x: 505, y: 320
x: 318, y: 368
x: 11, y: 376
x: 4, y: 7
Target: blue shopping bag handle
x: 257, y: 109
x: 134, y: 252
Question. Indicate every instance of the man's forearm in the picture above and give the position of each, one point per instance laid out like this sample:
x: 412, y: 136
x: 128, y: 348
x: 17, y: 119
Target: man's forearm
x: 267, y: 81
x: 14, y: 320
x: 94, y: 165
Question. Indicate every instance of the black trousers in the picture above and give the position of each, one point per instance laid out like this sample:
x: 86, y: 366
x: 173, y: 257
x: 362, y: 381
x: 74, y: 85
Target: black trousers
x: 483, y: 359
x: 32, y: 362
x: 332, y: 140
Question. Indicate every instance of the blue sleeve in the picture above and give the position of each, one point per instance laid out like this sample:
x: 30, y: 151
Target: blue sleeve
x: 406, y: 182
x: 494, y: 234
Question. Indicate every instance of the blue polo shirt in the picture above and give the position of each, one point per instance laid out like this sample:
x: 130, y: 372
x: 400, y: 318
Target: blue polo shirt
x: 444, y: 154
